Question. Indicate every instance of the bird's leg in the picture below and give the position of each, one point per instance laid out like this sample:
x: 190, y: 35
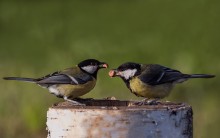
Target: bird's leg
x: 72, y: 101
x: 142, y: 102
x: 154, y: 101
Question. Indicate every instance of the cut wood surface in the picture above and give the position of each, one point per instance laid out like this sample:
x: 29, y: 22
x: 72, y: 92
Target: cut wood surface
x: 119, y: 119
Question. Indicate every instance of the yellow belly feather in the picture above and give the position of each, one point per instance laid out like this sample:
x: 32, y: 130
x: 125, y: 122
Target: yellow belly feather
x: 148, y: 91
x: 75, y: 91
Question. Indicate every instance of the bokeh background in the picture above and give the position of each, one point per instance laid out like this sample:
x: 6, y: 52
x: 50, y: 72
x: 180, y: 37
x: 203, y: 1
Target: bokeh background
x: 39, y: 37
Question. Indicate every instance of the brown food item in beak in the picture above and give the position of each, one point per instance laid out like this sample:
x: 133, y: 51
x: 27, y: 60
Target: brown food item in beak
x: 105, y: 65
x: 112, y: 73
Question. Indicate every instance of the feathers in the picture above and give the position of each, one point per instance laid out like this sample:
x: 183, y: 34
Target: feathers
x: 73, y: 76
x: 55, y: 79
x: 90, y: 69
x: 71, y: 82
x: 151, y: 80
x: 127, y: 74
x: 20, y: 79
x: 201, y: 76
x: 154, y: 74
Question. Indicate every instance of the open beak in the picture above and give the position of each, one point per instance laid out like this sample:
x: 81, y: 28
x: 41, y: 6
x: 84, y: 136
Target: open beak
x: 113, y: 73
x: 103, y: 65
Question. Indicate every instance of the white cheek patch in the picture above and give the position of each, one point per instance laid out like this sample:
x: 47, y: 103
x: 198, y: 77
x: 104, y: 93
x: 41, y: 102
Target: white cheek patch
x: 90, y: 69
x: 127, y: 74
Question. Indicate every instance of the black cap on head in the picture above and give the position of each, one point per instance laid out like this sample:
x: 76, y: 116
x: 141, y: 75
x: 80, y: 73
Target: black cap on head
x: 129, y: 65
x: 89, y: 62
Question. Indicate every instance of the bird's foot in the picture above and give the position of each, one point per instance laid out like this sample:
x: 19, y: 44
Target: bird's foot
x: 142, y: 102
x: 154, y: 102
x: 146, y: 101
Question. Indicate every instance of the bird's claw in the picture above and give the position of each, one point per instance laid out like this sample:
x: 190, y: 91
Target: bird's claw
x: 142, y: 102
x: 154, y: 102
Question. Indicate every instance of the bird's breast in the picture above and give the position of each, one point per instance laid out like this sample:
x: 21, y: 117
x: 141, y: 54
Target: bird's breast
x: 149, y: 91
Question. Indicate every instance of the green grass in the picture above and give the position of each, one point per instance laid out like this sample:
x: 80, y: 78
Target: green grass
x: 37, y: 38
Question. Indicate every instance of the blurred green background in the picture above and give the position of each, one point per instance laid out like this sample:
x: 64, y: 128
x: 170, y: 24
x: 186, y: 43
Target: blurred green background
x: 37, y: 38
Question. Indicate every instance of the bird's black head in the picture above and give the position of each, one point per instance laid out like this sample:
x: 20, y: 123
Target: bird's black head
x: 126, y: 71
x: 128, y: 66
x: 91, y: 66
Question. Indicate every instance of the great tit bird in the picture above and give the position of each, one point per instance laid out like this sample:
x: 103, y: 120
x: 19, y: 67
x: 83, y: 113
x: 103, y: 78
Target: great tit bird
x: 69, y: 83
x: 151, y: 81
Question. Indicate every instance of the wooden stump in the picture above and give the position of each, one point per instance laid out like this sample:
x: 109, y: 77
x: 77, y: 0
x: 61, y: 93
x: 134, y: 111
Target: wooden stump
x: 119, y: 119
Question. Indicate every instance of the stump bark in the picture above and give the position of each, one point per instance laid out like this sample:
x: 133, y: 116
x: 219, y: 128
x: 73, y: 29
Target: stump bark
x: 119, y: 119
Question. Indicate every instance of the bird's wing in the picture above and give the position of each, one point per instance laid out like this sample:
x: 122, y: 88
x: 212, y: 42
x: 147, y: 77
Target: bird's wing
x: 68, y: 76
x: 154, y: 74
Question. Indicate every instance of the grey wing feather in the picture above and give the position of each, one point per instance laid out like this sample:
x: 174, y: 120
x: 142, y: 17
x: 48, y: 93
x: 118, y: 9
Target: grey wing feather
x: 171, y: 75
x: 83, y: 78
x: 59, y: 78
x: 156, y: 74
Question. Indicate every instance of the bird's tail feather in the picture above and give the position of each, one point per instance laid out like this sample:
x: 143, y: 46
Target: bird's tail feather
x: 20, y: 79
x: 201, y: 76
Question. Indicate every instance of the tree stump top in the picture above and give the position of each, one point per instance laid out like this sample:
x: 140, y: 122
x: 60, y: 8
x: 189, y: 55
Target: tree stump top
x: 101, y: 104
x: 116, y: 119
